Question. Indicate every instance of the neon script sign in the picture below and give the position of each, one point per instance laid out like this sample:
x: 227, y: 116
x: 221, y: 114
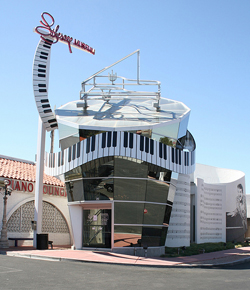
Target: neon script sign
x: 46, y: 30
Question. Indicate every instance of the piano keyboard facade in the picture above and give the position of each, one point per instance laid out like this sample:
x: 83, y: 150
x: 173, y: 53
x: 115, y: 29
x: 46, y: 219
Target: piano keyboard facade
x: 40, y: 84
x: 123, y: 144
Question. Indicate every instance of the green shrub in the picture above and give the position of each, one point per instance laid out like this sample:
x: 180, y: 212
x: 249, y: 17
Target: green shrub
x: 196, y: 249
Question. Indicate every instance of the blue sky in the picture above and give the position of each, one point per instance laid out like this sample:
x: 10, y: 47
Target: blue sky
x: 199, y: 50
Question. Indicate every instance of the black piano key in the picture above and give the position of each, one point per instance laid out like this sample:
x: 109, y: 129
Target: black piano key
x: 142, y: 143
x: 47, y: 46
x: 172, y: 154
x: 93, y: 143
x: 179, y: 157
x: 44, y: 101
x: 53, y: 125
x: 42, y: 70
x: 109, y: 139
x: 114, y: 139
x: 46, y: 106
x: 43, y: 57
x: 131, y: 139
x: 69, y: 156
x: 151, y: 146
x: 176, y: 156
x: 42, y: 65
x: 53, y: 160
x: 88, y: 145
x: 160, y: 149
x: 48, y: 41
x: 42, y: 85
x: 165, y: 151
x: 42, y: 90
x: 47, y: 111
x: 104, y: 140
x: 187, y: 158
x: 41, y: 75
x: 125, y: 141
x: 44, y: 53
x: 146, y: 144
x: 52, y: 121
x: 74, y: 152
x: 78, y: 150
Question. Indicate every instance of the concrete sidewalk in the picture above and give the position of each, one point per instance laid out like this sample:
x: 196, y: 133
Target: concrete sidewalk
x: 215, y: 259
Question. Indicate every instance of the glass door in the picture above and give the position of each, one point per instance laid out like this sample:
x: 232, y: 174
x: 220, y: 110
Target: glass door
x: 97, y: 228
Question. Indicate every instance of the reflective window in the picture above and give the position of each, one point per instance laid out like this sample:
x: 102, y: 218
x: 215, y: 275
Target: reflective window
x: 154, y: 236
x: 157, y: 191
x: 170, y: 130
x: 129, y: 189
x: 130, y: 168
x: 153, y: 214
x: 98, y: 189
x: 127, y: 236
x: 128, y: 213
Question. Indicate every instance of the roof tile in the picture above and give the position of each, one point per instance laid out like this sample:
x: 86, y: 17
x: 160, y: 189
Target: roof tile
x: 24, y: 171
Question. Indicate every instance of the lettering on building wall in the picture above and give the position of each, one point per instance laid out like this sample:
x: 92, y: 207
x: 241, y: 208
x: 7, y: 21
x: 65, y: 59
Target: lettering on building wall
x: 26, y: 186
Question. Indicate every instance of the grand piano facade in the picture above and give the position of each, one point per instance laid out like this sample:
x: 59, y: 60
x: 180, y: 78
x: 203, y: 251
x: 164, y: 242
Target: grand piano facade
x: 120, y: 158
x: 123, y: 149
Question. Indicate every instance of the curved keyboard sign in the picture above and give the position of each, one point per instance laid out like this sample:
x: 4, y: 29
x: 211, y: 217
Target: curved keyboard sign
x: 46, y: 30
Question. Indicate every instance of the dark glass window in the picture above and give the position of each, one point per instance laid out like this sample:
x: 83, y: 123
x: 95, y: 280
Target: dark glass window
x: 128, y: 213
x: 153, y: 236
x: 153, y: 214
x: 127, y: 236
x: 98, y: 189
x: 157, y: 191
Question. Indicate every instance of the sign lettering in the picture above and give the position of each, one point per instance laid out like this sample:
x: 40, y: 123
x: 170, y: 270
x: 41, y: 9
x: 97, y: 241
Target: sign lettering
x: 46, y: 30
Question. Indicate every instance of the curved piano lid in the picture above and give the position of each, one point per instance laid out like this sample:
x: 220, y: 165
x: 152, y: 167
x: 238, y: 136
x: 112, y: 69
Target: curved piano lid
x: 41, y: 65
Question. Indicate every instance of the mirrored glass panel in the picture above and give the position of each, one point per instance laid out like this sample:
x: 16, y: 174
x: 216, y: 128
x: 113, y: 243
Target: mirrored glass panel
x: 154, y: 236
x: 130, y: 168
x: 98, y: 189
x: 127, y: 236
x: 153, y: 214
x: 129, y: 189
x: 170, y: 130
x: 157, y: 191
x: 128, y: 213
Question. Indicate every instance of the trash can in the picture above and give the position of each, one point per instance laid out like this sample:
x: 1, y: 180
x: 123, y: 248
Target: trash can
x: 42, y: 241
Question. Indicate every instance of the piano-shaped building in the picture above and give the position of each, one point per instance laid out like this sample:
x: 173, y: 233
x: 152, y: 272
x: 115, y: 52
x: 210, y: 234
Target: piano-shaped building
x: 123, y: 150
x: 122, y: 153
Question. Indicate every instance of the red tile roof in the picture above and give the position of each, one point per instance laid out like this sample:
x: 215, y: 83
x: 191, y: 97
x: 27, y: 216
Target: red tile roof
x: 16, y: 169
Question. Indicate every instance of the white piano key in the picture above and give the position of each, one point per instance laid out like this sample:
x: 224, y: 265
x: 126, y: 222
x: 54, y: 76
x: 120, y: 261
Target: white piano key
x: 99, y: 148
x: 155, y: 153
x: 122, y: 148
x: 118, y: 144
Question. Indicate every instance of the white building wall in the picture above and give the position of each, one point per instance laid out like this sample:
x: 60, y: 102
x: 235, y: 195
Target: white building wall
x: 19, y: 198
x: 210, y: 213
x: 179, y: 226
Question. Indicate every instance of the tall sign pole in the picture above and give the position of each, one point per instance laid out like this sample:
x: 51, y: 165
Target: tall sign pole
x: 47, y: 118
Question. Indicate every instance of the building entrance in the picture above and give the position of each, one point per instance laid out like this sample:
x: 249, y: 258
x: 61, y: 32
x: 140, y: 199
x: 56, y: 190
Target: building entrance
x: 97, y: 228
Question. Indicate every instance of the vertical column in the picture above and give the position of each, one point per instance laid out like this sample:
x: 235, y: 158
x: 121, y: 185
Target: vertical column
x: 39, y: 179
x: 179, y: 226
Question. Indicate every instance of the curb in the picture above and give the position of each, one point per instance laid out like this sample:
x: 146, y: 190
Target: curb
x: 183, y: 265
